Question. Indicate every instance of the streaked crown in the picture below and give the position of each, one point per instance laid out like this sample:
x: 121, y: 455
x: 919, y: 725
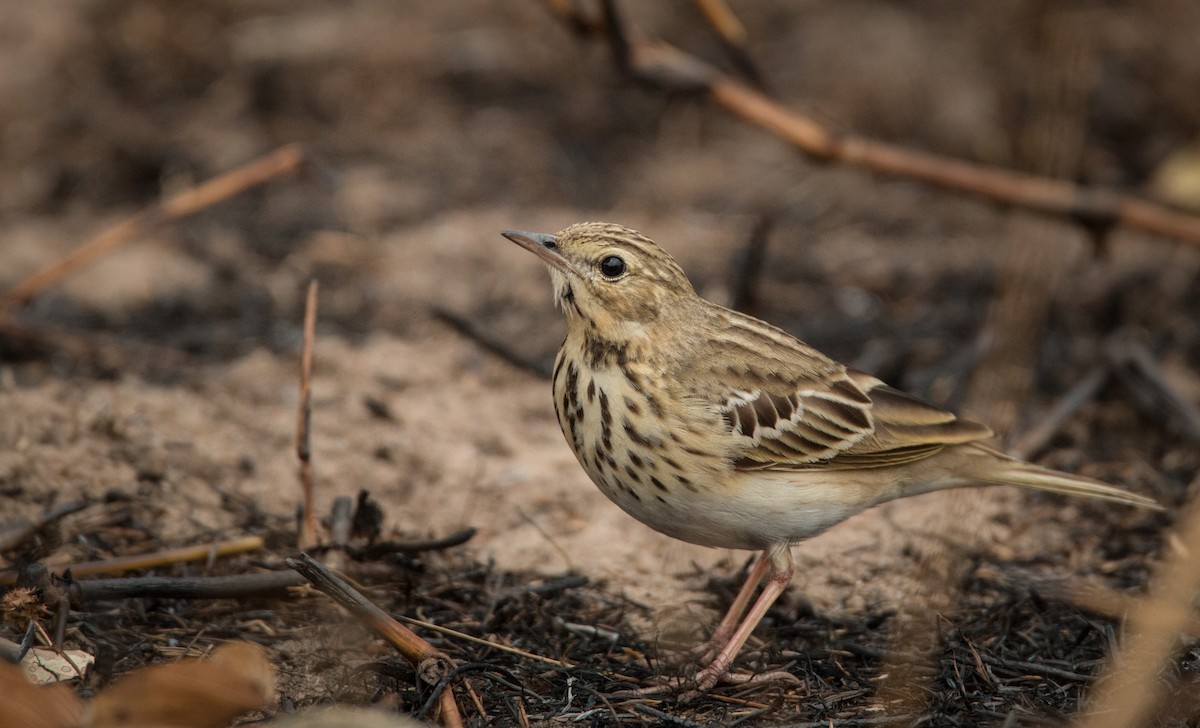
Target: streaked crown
x: 607, y: 276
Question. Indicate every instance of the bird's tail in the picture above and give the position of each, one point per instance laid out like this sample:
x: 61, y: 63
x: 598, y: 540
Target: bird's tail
x: 1005, y: 470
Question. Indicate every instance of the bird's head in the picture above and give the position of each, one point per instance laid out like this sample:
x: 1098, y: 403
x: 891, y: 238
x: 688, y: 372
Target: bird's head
x: 610, y: 280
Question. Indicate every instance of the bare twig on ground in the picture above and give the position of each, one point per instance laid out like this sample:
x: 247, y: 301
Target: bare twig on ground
x: 17, y: 530
x: 1036, y: 439
x: 237, y: 586
x: 487, y: 643
x: 1137, y: 369
x: 378, y: 550
x: 1134, y: 686
x: 472, y: 331
x: 431, y: 664
x: 383, y: 548
x: 277, y: 164
x: 1096, y: 208
x: 308, y: 521
x: 199, y: 552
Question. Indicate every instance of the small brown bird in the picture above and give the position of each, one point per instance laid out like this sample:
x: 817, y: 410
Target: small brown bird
x: 716, y: 428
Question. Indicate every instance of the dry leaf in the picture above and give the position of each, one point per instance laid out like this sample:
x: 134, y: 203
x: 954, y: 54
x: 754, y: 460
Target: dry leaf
x: 1177, y: 179
x: 191, y: 693
x: 339, y: 717
x: 43, y: 665
x: 30, y: 706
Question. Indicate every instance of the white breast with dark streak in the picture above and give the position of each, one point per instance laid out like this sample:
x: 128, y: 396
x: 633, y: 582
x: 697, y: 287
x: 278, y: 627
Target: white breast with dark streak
x: 644, y: 463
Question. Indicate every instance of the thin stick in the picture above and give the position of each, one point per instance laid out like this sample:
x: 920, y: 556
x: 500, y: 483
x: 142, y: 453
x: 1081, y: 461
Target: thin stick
x: 308, y: 524
x: 1036, y: 439
x: 430, y: 664
x: 237, y: 586
x: 1133, y: 688
x: 734, y: 38
x: 200, y: 552
x: 480, y: 641
x: 1135, y: 366
x: 279, y: 163
x: 748, y: 267
x: 475, y: 332
x: 383, y: 548
x: 19, y: 529
x: 1096, y: 208
x: 722, y: 20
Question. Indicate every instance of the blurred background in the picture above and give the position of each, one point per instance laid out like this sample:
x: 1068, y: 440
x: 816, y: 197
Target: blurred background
x: 421, y: 114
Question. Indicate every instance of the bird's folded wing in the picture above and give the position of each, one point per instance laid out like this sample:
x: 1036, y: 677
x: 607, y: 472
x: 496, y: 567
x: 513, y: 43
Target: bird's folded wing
x: 839, y: 419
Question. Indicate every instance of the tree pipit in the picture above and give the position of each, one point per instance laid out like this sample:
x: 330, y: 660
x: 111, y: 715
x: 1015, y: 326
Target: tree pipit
x: 716, y: 428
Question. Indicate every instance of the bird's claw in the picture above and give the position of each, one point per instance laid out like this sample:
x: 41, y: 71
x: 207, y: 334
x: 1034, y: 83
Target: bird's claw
x: 689, y: 689
x: 707, y: 679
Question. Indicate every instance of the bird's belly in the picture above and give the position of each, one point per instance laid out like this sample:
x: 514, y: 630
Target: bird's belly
x: 722, y: 515
x: 790, y: 506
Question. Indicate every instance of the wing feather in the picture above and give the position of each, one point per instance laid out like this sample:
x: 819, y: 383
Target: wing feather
x: 786, y: 406
x: 830, y: 417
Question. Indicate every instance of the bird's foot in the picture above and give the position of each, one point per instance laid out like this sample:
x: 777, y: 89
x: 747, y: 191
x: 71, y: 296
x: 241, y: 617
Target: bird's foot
x: 708, y: 678
x: 707, y: 652
x: 703, y: 681
x: 660, y: 686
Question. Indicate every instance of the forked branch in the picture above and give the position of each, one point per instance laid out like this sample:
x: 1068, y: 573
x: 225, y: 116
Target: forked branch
x: 1098, y: 209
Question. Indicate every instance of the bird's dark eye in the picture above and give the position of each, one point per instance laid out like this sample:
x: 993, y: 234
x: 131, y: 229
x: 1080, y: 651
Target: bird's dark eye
x: 612, y: 266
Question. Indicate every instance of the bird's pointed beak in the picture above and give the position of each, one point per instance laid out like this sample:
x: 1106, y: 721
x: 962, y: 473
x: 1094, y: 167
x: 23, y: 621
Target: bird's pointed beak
x: 542, y: 245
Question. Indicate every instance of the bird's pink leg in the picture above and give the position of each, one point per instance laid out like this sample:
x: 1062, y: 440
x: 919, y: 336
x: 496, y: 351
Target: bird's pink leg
x: 728, y: 639
x: 781, y: 575
x: 729, y: 622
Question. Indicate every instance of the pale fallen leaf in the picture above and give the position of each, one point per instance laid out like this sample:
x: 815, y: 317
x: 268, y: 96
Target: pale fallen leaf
x: 207, y: 693
x: 44, y: 666
x: 1177, y: 179
x: 339, y: 717
x: 32, y: 706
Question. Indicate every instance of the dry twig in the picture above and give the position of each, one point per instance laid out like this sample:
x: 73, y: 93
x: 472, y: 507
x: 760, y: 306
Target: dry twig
x: 383, y: 548
x: 17, y: 530
x: 1135, y: 366
x: 277, y: 164
x: 1086, y: 595
x: 237, y: 586
x: 200, y: 552
x: 430, y: 664
x: 1031, y: 444
x: 747, y: 269
x: 734, y: 38
x: 308, y: 523
x: 471, y: 330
